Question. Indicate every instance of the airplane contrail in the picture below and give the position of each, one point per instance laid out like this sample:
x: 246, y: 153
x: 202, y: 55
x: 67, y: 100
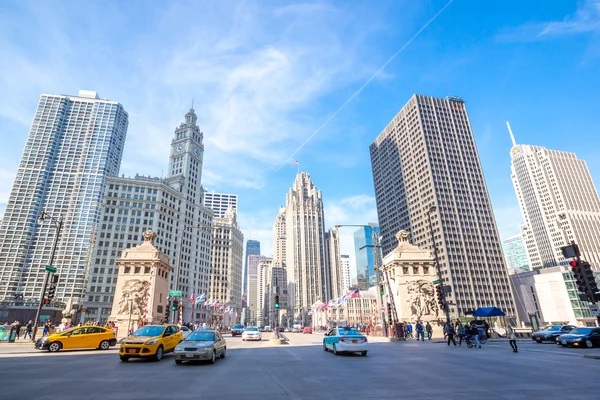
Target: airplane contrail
x: 332, y: 116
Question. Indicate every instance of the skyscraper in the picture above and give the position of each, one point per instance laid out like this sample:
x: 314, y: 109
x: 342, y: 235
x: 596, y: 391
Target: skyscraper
x: 426, y: 157
x: 515, y: 254
x: 171, y: 207
x: 279, y: 232
x: 559, y: 203
x: 220, y: 202
x: 307, y: 259
x: 253, y: 285
x: 226, y: 261
x: 335, y: 264
x: 74, y: 144
x: 252, y: 248
x: 346, y: 273
x: 365, y: 247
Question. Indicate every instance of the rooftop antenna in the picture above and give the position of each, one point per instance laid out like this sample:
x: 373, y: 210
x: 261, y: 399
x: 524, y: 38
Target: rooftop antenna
x: 192, y: 103
x: 512, y: 137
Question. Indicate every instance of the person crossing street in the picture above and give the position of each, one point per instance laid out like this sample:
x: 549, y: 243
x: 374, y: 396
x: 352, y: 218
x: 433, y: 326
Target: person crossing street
x: 420, y: 331
x: 429, y: 330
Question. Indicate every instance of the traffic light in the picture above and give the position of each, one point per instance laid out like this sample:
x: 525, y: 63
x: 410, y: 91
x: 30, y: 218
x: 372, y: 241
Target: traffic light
x: 175, y: 305
x: 578, y: 274
x: 167, y: 311
x: 381, y: 290
x: 46, y: 301
x: 590, y: 280
x: 51, y: 291
x: 276, y: 301
x: 440, y: 297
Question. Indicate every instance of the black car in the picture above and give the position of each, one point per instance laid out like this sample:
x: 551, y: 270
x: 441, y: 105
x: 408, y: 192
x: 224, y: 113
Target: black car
x: 237, y: 330
x: 580, y: 337
x: 551, y: 332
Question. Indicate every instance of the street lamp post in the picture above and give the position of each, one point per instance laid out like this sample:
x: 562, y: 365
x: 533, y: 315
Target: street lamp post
x: 433, y: 209
x: 58, y: 223
x: 377, y: 272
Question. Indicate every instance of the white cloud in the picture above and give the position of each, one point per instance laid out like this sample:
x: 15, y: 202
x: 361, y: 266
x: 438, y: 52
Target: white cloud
x: 585, y: 19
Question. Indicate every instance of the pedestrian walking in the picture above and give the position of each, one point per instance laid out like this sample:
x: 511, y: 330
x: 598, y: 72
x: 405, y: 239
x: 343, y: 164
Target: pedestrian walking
x: 513, y: 341
x: 462, y: 332
x: 410, y: 330
x: 429, y: 330
x: 420, y: 331
x: 475, y: 335
x: 457, y: 325
x: 17, y: 326
x: 28, y: 330
x: 450, y: 333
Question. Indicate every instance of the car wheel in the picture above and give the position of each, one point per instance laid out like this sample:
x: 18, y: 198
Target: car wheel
x: 214, y: 357
x: 124, y: 358
x: 159, y: 353
x: 538, y: 340
x: 364, y: 353
x: 335, y: 350
x: 324, y: 347
x: 224, y: 352
x: 563, y: 345
x: 104, y: 345
x: 588, y: 343
x: 54, y: 347
x: 178, y: 362
x: 243, y: 340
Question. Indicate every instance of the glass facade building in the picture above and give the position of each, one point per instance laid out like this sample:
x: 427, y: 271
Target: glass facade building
x: 515, y: 254
x: 74, y: 144
x: 365, y: 241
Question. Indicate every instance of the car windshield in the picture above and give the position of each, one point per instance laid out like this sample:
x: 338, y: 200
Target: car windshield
x: 349, y: 332
x: 238, y: 327
x: 582, y: 331
x: 184, y: 328
x: 252, y: 329
x: 149, y: 331
x: 201, y: 337
x: 551, y: 328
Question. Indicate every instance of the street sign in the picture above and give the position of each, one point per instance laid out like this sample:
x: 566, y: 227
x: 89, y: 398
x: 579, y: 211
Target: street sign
x: 436, y: 282
x: 50, y: 268
x: 594, y: 310
x: 175, y: 293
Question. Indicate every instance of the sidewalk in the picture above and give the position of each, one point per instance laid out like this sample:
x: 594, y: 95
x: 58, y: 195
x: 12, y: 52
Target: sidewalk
x: 18, y: 342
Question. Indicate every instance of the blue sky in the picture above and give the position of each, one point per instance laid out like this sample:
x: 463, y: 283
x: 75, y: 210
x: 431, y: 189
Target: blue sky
x: 266, y: 75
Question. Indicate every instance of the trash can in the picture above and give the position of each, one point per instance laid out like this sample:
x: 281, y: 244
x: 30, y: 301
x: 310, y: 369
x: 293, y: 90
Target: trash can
x: 12, y: 335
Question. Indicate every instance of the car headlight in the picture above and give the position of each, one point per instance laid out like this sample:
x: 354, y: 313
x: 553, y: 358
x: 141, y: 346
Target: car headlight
x: 153, y: 341
x: 179, y: 348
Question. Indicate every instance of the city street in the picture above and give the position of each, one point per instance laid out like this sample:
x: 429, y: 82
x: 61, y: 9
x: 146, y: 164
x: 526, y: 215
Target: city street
x: 302, y: 370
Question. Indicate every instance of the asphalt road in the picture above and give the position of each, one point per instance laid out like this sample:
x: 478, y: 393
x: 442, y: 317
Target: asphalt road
x: 302, y: 370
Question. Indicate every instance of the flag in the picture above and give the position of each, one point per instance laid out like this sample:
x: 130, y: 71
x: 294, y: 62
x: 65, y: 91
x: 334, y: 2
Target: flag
x: 222, y: 308
x: 354, y: 294
x: 201, y: 298
x: 192, y: 298
x: 295, y: 162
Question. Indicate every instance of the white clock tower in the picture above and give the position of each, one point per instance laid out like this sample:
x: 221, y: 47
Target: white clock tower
x: 187, y: 152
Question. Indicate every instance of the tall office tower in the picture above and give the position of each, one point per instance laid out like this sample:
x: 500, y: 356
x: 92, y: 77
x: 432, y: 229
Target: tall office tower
x: 253, y: 300
x: 346, y: 272
x: 306, y: 251
x: 172, y: 208
x: 226, y: 261
x: 335, y: 264
x: 515, y: 255
x: 220, y: 202
x: 279, y: 232
x: 271, y: 281
x: 427, y: 157
x: 367, y: 256
x: 252, y: 248
x: 74, y: 143
x: 559, y: 203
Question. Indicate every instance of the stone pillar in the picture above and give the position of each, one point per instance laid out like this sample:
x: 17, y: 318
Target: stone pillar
x: 411, y: 271
x: 142, y: 287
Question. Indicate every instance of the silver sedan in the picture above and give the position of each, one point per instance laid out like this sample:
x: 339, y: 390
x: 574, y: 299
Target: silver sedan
x: 201, y: 345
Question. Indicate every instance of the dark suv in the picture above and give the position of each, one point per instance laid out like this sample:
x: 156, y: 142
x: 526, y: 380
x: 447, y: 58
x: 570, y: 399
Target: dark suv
x: 237, y: 330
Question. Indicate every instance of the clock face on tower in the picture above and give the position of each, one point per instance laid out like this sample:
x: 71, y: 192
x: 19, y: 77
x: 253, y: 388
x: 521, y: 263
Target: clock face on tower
x: 196, y: 151
x: 179, y: 149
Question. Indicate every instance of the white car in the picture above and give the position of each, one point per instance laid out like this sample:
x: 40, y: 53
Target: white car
x: 185, y: 331
x: 345, y: 340
x: 251, y: 333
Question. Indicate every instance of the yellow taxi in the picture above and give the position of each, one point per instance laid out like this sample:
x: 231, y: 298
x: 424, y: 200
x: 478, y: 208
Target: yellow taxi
x: 150, y: 341
x: 80, y: 337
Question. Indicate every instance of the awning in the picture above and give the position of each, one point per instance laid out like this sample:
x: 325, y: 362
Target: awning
x: 488, y: 312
